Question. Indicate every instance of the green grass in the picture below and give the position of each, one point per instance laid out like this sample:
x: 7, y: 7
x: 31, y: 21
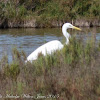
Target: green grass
x: 72, y: 72
x: 47, y: 11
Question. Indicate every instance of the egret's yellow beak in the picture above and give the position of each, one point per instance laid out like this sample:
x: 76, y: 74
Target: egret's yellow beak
x: 74, y: 27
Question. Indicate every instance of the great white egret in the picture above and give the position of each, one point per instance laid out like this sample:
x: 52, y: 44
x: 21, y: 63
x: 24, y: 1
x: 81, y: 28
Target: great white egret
x: 52, y: 46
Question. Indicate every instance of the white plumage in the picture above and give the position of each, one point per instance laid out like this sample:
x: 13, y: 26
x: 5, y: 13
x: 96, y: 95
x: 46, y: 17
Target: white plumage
x: 52, y: 46
x: 47, y: 48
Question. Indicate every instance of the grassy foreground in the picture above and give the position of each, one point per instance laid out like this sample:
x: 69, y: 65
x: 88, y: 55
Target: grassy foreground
x: 70, y: 74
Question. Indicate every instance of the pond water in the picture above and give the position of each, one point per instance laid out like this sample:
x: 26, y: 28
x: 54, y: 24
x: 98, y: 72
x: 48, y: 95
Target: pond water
x: 28, y: 39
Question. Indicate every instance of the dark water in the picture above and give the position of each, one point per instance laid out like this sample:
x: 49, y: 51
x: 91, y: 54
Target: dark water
x: 29, y: 39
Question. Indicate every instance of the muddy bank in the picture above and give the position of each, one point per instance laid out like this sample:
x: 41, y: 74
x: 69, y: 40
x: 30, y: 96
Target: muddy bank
x: 87, y: 22
x: 33, y: 23
x: 17, y: 24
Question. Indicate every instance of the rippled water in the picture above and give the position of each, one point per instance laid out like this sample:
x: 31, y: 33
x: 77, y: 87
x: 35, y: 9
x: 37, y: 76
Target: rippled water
x: 29, y: 39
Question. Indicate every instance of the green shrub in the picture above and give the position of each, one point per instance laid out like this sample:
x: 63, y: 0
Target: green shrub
x: 48, y: 10
x: 12, y: 71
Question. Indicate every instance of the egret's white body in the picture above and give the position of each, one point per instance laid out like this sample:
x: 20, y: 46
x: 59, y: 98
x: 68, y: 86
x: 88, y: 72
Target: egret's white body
x: 47, y: 48
x: 51, y: 46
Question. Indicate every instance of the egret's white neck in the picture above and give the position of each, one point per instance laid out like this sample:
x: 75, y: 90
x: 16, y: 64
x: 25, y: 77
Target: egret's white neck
x: 65, y: 33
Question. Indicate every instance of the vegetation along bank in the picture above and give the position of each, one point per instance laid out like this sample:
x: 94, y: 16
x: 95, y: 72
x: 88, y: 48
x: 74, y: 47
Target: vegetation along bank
x: 48, y: 13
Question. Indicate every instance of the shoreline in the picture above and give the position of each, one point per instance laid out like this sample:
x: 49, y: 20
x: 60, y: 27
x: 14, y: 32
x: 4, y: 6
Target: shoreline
x: 33, y: 23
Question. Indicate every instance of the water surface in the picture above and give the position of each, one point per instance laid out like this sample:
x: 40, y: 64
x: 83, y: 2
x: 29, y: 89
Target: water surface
x: 29, y: 39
